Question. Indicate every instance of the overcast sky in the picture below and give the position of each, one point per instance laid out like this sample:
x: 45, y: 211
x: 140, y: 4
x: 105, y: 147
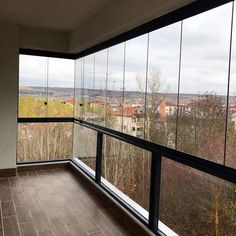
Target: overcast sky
x: 204, y: 65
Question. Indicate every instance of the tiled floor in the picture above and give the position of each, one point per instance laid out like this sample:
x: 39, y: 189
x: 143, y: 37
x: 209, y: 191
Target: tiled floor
x: 53, y: 202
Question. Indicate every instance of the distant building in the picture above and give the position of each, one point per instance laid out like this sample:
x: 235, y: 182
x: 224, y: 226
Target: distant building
x: 133, y: 120
x: 166, y: 109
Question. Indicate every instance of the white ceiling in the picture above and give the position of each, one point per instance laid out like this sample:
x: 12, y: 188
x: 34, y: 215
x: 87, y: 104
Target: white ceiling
x: 62, y: 15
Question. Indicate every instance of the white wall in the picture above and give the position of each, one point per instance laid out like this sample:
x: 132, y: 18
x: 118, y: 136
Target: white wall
x: 9, y: 46
x: 13, y: 37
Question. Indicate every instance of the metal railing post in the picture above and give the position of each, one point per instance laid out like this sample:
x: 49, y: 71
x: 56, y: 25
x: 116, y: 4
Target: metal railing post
x: 99, y: 157
x: 155, y: 186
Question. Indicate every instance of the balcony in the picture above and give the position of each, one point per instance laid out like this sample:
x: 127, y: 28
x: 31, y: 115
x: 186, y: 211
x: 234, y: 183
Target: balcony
x: 103, y: 160
x: 117, y: 132
x: 55, y: 202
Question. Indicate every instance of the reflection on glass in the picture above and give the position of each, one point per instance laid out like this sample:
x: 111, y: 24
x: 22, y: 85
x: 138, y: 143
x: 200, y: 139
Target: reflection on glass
x: 135, y: 86
x: 128, y: 169
x: 60, y: 87
x: 32, y: 86
x: 100, y: 86
x: 84, y: 145
x: 195, y: 203
x: 44, y: 141
x: 162, y: 85
x: 115, y: 87
x: 203, y: 86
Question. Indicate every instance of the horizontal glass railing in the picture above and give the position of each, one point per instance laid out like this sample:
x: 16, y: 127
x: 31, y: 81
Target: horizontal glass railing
x: 44, y: 140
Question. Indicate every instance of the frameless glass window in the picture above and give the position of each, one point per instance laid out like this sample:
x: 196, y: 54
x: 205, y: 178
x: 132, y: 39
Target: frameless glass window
x: 100, y: 86
x: 44, y: 141
x: 88, y: 84
x: 162, y: 85
x: 84, y: 146
x: 230, y: 159
x: 195, y: 203
x: 46, y: 88
x: 78, y: 113
x: 203, y: 85
x: 135, y: 86
x: 115, y: 87
x: 126, y: 171
x: 60, y: 87
x: 32, y: 86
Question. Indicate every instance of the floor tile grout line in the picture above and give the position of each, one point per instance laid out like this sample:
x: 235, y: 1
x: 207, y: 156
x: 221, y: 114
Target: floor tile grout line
x: 91, y: 201
x: 40, y: 204
x: 45, y: 212
x: 2, y: 218
x: 14, y: 206
x: 27, y: 204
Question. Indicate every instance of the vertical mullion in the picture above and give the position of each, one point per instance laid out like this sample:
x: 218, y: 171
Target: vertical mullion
x: 99, y: 157
x: 155, y: 186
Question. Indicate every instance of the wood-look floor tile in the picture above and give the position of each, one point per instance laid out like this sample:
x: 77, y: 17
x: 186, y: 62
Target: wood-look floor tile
x: 47, y: 233
x: 28, y: 229
x: 23, y: 214
x: 54, y: 203
x: 4, y: 183
x: 66, y: 215
x: 11, y: 227
x: 29, y: 191
x: 34, y: 205
x: 41, y: 221
x: 88, y: 223
x: 77, y: 230
x: 5, y: 194
x: 19, y: 198
x: 15, y: 184
x: 97, y: 234
x: 8, y: 209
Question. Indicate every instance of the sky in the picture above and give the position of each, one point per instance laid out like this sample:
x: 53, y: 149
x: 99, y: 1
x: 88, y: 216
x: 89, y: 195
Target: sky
x: 204, y: 59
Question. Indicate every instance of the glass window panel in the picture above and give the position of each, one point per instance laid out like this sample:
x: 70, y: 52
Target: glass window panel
x: 78, y: 113
x: 88, y: 87
x: 100, y: 86
x: 44, y: 141
x: 32, y: 86
x: 162, y: 85
x: 195, y: 203
x: 135, y: 86
x: 203, y: 86
x: 127, y: 168
x: 60, y: 87
x: 115, y: 87
x: 231, y: 126
x: 85, y: 145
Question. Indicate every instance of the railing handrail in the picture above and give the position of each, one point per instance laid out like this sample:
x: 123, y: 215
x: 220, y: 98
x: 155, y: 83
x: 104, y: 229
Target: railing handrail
x: 44, y: 119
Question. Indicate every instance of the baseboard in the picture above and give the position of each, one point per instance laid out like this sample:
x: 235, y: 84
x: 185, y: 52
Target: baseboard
x: 42, y: 166
x: 8, y: 172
